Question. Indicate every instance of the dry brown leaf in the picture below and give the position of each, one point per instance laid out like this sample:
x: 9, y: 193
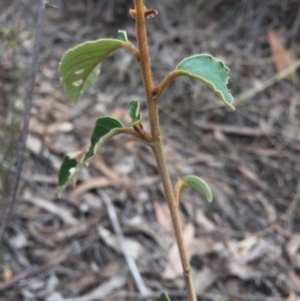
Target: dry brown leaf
x: 248, y: 243
x: 174, y: 268
x: 205, y: 245
x: 227, y: 207
x: 242, y: 271
x: 48, y: 72
x: 45, y: 179
x: 248, y: 173
x: 53, y: 208
x: 263, y: 152
x: 91, y: 184
x: 221, y: 129
x: 58, y: 145
x: 80, y: 284
x: 121, y: 114
x: 138, y: 224
x: 232, y: 289
x: 131, y: 145
x: 252, y: 176
x: 112, y: 269
x: 104, y: 290
x: 292, y: 297
x: 292, y: 249
x: 125, y: 165
x: 282, y: 58
x: 35, y: 126
x: 7, y: 274
x: 60, y: 127
x: 261, y: 249
x: 294, y: 281
x: 203, y: 279
x: 79, y: 229
x: 224, y: 266
x: 46, y: 88
x: 269, y: 208
x: 204, y: 222
x: 134, y: 248
x: 91, y: 200
x: 163, y: 216
x: 109, y: 172
x: 34, y: 145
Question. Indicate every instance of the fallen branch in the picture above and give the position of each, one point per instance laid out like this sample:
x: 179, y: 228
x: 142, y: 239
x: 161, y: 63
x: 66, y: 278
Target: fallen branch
x: 24, y: 133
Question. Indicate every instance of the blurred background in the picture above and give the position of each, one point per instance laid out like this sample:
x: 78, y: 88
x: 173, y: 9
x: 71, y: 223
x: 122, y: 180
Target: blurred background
x: 243, y: 246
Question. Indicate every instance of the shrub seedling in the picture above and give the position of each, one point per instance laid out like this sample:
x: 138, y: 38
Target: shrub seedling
x: 80, y: 68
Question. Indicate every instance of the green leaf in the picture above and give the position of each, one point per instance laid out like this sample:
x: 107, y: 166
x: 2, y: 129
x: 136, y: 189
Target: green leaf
x: 80, y: 66
x: 136, y: 121
x: 105, y: 128
x: 210, y: 71
x: 133, y: 109
x: 163, y: 297
x: 64, y: 173
x: 198, y: 184
x: 122, y: 35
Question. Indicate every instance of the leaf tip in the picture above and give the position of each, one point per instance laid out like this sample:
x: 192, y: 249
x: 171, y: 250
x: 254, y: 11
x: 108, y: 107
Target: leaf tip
x: 198, y: 184
x: 122, y: 36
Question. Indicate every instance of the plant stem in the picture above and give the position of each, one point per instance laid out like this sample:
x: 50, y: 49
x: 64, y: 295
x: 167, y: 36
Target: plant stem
x: 165, y: 177
x: 157, y: 143
x: 146, y: 67
x: 165, y: 82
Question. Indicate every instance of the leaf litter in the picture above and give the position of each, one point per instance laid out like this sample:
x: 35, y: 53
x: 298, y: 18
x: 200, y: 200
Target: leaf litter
x: 66, y: 249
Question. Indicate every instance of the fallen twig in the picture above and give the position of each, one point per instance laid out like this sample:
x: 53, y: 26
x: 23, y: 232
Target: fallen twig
x: 24, y: 133
x: 155, y: 295
x: 129, y: 259
x: 266, y: 84
x: 234, y: 129
x: 33, y: 271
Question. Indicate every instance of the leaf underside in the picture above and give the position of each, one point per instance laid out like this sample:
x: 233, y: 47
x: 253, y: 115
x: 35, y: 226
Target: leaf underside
x: 80, y: 66
x: 105, y: 128
x: 210, y: 71
x: 198, y: 184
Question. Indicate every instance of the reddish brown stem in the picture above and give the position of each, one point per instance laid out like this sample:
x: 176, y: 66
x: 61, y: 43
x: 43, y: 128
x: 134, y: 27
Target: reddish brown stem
x: 157, y: 141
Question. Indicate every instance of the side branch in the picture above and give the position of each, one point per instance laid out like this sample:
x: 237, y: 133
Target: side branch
x: 133, y: 50
x: 159, y: 90
x: 139, y: 134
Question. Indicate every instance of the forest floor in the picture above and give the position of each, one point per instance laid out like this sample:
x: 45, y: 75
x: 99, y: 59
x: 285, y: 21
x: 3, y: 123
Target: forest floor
x: 242, y: 246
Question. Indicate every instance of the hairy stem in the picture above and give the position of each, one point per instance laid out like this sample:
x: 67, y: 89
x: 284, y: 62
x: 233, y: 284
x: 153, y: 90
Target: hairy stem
x: 146, y: 66
x: 165, y: 82
x: 173, y: 207
x: 132, y: 49
x: 157, y: 142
